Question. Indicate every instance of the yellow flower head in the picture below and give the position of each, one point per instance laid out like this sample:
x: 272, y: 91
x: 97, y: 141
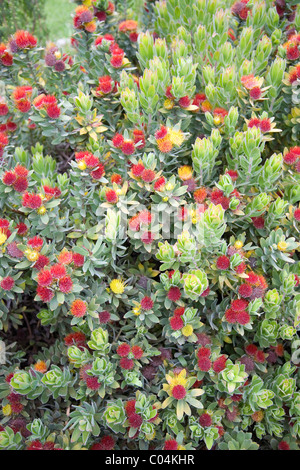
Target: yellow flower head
x: 40, y: 366
x: 31, y: 255
x: 165, y: 145
x: 176, y: 137
x: 185, y: 172
x: 117, y: 286
x: 238, y: 244
x: 187, y: 330
x: 168, y: 104
x: 3, y: 238
x: 137, y: 311
x: 282, y: 246
x: 81, y: 165
x: 42, y: 210
x: 6, y: 410
x: 173, y: 380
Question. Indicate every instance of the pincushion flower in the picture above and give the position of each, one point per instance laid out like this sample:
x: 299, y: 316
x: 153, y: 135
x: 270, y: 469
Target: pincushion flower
x: 117, y: 286
x: 31, y: 200
x: 178, y: 387
x: 24, y: 40
x: 7, y: 283
x: 78, y: 308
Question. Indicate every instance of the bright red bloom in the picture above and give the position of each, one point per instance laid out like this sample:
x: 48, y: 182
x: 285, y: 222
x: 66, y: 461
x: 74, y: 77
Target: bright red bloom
x: 78, y: 338
x: 92, y: 383
x: 7, y: 283
x: 36, y: 243
x: 159, y: 184
x: 184, y: 102
x: 219, y: 364
x: 137, y: 352
x: 111, y: 196
x: 3, y: 109
x: 58, y: 271
x: 78, y: 308
x: 205, y: 420
x: 171, y: 444
x: 204, y: 364
x: 20, y: 185
x: 161, y: 133
x: 283, y: 445
x: 292, y: 52
x: 176, y: 323
x: 44, y: 293
x: 22, y: 228
x: 203, y: 352
x: 123, y: 350
x: 251, y: 349
x: 117, y: 60
x: 245, y: 290
x: 32, y: 201
x: 223, y: 262
x: 178, y: 392
x: 116, y: 178
x: 174, y: 293
x: 35, y: 445
x: 118, y: 140
x: 65, y: 285
x: 91, y: 160
x: 78, y: 259
x: 179, y: 311
x: 9, y: 178
x: 139, y: 138
x: 24, y: 40
x: 138, y: 169
x: 147, y: 303
x: 230, y: 315
x: 243, y: 317
x: 130, y: 407
x: 53, y: 111
x: 126, y: 363
x: 41, y: 262
x: 128, y: 147
x: 265, y: 125
x: 148, y: 175
x: 200, y: 195
x: 255, y: 93
x: 297, y: 214
x: 106, y: 443
x: 98, y: 172
x: 259, y: 356
x: 135, y: 420
x: 239, y: 304
x: 44, y: 278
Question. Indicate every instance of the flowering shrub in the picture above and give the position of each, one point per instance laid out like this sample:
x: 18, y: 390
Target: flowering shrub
x: 149, y: 230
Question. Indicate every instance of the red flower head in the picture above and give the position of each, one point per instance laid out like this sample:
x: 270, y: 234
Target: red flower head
x: 219, y: 364
x: 78, y: 259
x: 178, y: 392
x: 179, y: 311
x: 137, y: 170
x: 159, y: 184
x: 147, y: 303
x: 92, y: 383
x: 58, y: 271
x: 205, y: 420
x: 44, y: 293
x: 174, y: 293
x: 104, y: 317
x: 123, y: 350
x: 148, y: 176
x: 53, y: 111
x: 111, y: 196
x: 35, y: 243
x: 223, y: 262
x: 9, y: 178
x: 171, y: 444
x: 31, y: 201
x: 243, y: 317
x: 137, y: 352
x: 130, y: 407
x: 239, y: 305
x: 251, y: 349
x: 245, y: 290
x: 161, y: 133
x: 7, y: 283
x: 176, y: 323
x: 200, y: 195
x: 230, y: 315
x: 78, y: 308
x: 126, y: 363
x: 24, y: 40
x: 258, y: 222
x: 128, y: 147
x: 184, y: 102
x: 255, y: 93
x: 204, y: 363
x: 65, y: 285
x: 41, y: 262
x: 44, y: 278
x: 116, y: 178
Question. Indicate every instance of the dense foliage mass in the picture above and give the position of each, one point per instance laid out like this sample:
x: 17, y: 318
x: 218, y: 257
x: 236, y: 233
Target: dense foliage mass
x: 149, y: 230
